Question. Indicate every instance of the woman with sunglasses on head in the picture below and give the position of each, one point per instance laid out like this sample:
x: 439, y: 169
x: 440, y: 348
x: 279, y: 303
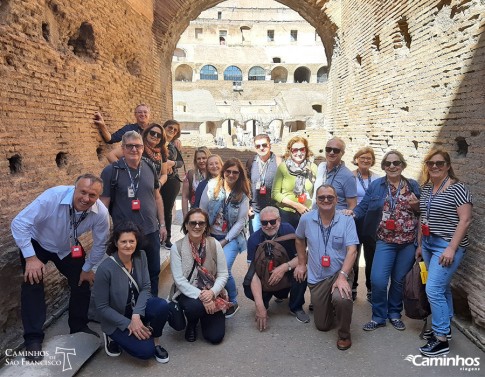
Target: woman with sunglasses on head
x: 446, y: 214
x: 171, y: 188
x: 194, y: 177
x: 226, y: 199
x: 389, y: 211
x: 200, y: 273
x: 130, y: 317
x: 294, y: 181
x: 364, y: 159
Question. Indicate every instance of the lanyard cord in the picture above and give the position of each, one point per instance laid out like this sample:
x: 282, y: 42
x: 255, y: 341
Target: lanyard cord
x: 132, y: 180
x: 74, y: 224
x: 325, y: 231
x: 334, y: 176
x: 361, y: 180
x: 393, y: 200
x: 431, y: 196
x: 263, y: 168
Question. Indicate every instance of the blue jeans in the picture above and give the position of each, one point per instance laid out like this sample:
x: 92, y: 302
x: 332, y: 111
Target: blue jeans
x: 156, y: 315
x: 438, y: 283
x: 231, y: 250
x: 151, y: 245
x: 255, y: 222
x: 390, y: 261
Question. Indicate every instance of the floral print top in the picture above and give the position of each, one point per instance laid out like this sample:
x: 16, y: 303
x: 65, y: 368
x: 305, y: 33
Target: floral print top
x: 405, y: 220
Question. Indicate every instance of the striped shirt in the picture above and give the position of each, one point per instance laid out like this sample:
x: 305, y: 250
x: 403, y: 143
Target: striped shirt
x: 443, y: 217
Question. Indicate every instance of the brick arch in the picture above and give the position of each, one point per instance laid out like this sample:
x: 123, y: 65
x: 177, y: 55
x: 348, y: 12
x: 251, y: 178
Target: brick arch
x: 170, y: 22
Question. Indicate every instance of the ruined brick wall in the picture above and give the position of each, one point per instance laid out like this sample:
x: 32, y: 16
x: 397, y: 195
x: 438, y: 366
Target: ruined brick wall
x: 409, y: 75
x: 60, y: 61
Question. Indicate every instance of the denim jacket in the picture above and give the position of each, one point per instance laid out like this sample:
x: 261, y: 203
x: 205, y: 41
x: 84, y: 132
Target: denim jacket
x: 235, y: 226
x: 368, y: 212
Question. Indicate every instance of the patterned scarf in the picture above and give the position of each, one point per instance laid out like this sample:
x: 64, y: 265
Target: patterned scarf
x: 153, y: 153
x: 205, y: 280
x: 302, y: 172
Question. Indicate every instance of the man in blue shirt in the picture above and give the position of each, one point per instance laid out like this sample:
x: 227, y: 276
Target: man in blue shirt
x: 271, y: 228
x: 142, y: 115
x: 331, y: 239
x: 48, y: 230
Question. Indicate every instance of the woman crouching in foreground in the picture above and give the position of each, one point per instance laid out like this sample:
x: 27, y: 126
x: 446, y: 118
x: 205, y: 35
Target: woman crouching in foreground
x: 130, y: 317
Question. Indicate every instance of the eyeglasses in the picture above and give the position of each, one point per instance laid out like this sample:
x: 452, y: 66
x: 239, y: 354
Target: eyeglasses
x: 328, y: 198
x: 194, y: 224
x: 266, y: 222
x: 395, y: 163
x: 296, y: 150
x: 438, y: 164
x: 136, y: 146
x: 171, y: 129
x: 334, y: 150
x: 258, y: 146
x: 365, y: 158
x: 231, y: 172
x: 155, y: 134
x: 142, y: 112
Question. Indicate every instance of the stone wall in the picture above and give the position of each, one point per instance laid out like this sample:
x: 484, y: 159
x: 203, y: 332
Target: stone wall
x: 403, y: 74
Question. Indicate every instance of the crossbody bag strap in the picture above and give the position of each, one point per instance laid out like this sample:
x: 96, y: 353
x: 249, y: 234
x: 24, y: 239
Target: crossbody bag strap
x: 127, y: 274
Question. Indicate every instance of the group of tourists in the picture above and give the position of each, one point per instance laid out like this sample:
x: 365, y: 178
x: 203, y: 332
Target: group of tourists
x: 302, y: 225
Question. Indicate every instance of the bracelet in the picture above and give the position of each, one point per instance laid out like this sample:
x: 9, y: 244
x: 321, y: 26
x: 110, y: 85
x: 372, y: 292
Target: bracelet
x: 162, y: 225
x: 345, y: 274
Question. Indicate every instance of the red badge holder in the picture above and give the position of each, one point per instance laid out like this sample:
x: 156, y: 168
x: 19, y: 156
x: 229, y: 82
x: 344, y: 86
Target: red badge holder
x: 425, y: 229
x: 135, y: 205
x: 391, y: 224
x: 271, y: 265
x: 325, y: 261
x: 262, y: 190
x: 224, y: 226
x: 302, y: 198
x: 77, y: 251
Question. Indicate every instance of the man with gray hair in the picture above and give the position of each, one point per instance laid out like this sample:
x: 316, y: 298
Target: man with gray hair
x: 48, y: 229
x: 334, y: 172
x: 131, y: 192
x: 272, y: 228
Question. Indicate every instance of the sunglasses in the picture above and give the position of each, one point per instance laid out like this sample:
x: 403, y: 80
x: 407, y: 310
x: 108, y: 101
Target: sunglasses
x: 334, y: 150
x: 155, y: 134
x: 136, y: 146
x: 296, y: 150
x: 258, y: 146
x: 231, y: 172
x: 193, y: 223
x: 438, y: 164
x: 266, y: 222
x: 395, y: 163
x: 328, y: 198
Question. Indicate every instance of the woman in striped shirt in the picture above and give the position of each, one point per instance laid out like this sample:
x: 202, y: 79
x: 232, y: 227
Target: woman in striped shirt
x: 446, y: 214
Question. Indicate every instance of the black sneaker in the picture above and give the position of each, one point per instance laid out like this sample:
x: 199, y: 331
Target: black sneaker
x: 435, y: 347
x: 111, y: 347
x: 34, y: 352
x: 232, y: 310
x: 167, y: 245
x: 428, y: 334
x: 161, y: 355
x: 398, y: 324
x: 87, y: 330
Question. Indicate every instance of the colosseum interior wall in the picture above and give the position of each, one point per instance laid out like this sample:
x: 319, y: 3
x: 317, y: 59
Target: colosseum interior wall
x: 405, y: 75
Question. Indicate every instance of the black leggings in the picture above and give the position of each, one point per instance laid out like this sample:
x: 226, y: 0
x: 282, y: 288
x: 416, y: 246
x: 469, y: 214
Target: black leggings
x: 169, y: 192
x: 213, y: 325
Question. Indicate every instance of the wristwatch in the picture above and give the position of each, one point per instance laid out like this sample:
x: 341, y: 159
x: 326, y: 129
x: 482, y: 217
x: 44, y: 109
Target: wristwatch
x: 289, y: 267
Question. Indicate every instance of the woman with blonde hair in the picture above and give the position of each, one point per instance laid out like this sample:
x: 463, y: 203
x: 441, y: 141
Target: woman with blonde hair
x: 194, y: 177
